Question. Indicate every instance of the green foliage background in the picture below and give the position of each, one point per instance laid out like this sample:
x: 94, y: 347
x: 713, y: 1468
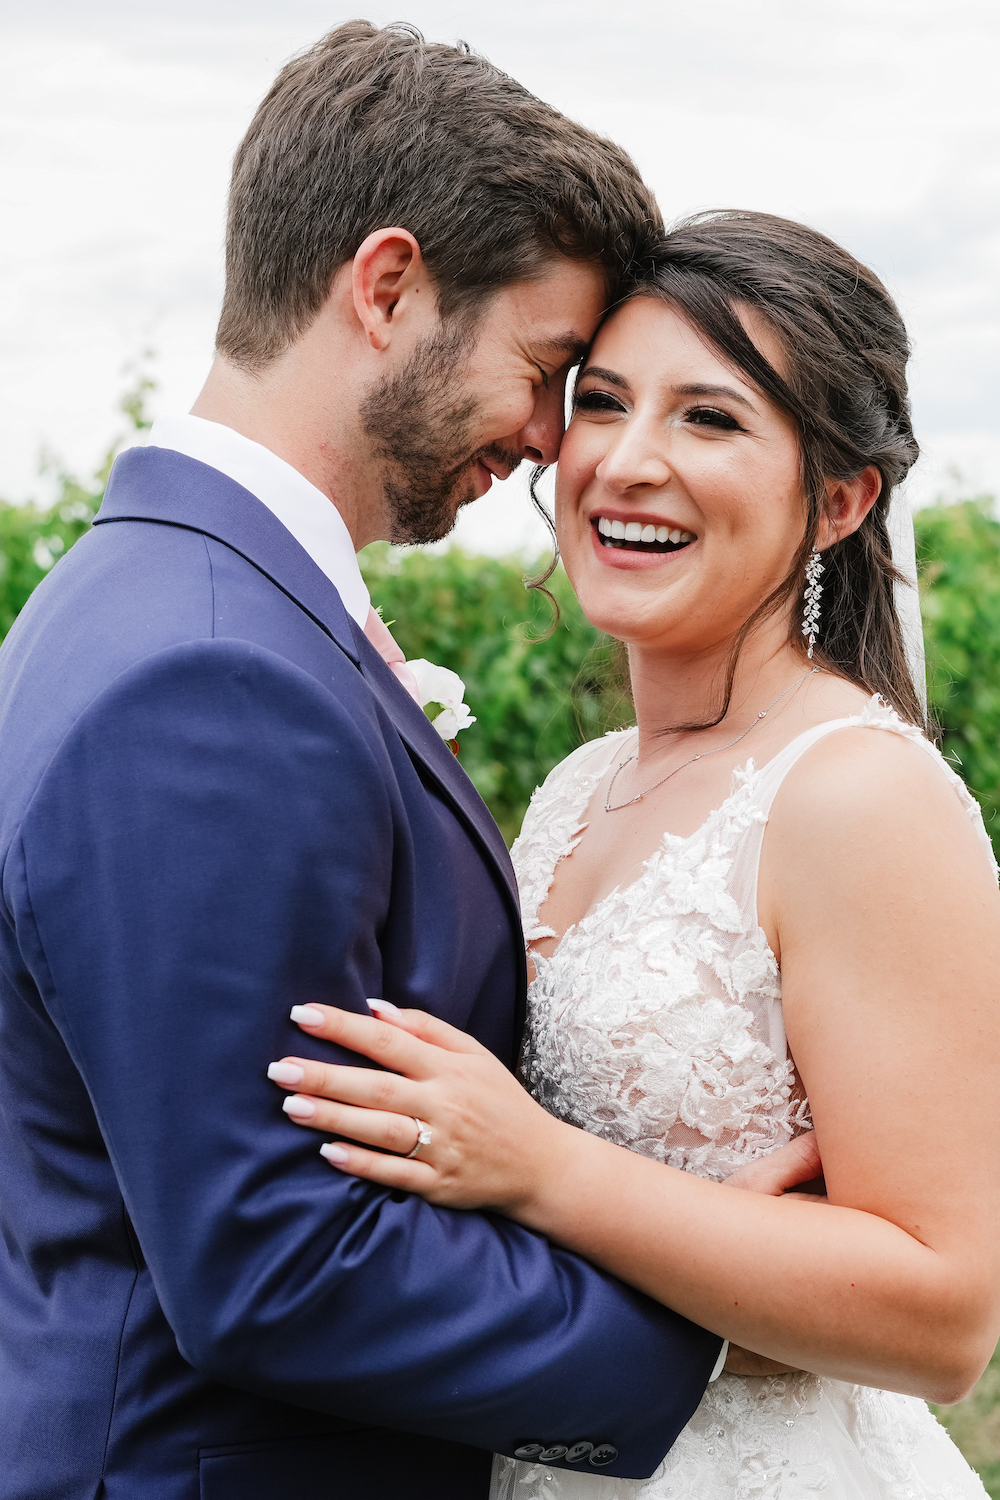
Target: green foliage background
x: 537, y: 698
x: 32, y: 540
x: 958, y: 547
x: 534, y: 699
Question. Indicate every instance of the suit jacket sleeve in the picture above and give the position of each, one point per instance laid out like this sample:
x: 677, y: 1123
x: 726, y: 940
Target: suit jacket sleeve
x: 211, y: 844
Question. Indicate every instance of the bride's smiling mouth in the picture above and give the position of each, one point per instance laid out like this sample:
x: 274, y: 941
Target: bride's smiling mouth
x: 639, y: 536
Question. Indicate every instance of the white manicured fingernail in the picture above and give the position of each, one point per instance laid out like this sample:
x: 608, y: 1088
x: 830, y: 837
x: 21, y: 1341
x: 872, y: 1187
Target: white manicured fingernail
x: 289, y: 1073
x: 383, y: 1007
x: 306, y: 1015
x: 299, y: 1107
x: 337, y: 1155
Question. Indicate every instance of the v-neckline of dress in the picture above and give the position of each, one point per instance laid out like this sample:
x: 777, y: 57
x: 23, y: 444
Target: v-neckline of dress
x: 742, y: 774
x: 741, y: 778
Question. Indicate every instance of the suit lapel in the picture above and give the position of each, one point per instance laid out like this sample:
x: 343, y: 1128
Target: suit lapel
x: 427, y: 747
x: 423, y: 741
x: 157, y: 484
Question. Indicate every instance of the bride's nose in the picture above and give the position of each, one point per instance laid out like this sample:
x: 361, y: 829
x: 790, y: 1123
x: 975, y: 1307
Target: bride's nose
x: 633, y: 459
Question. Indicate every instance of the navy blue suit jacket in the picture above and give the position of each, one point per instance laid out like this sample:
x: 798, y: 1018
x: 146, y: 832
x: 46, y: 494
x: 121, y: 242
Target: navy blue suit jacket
x: 217, y: 803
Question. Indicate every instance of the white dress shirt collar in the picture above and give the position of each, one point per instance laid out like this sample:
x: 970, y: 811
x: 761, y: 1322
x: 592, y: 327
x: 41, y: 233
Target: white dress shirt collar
x: 314, y: 521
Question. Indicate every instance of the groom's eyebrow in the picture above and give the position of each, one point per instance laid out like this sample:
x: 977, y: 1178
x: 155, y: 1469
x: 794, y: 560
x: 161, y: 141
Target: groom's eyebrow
x: 570, y: 346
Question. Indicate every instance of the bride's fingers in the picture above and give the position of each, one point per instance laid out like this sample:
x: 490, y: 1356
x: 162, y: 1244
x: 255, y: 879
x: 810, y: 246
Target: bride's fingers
x: 417, y: 1023
x: 389, y: 1045
x: 367, y: 1088
x: 427, y: 1027
x: 371, y: 1127
x: 411, y: 1176
x: 797, y: 1162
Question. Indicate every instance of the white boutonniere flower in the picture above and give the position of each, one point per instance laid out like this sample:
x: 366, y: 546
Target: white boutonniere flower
x: 444, y: 691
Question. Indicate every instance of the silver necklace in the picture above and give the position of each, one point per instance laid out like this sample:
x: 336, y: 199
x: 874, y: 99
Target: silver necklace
x: 702, y: 756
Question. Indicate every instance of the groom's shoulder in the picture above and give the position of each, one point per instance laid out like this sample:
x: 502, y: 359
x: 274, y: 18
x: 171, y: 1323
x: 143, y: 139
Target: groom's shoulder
x: 137, y: 585
x: 138, y: 600
x: 122, y: 593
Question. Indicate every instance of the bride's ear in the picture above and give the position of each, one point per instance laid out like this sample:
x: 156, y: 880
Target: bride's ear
x: 848, y: 501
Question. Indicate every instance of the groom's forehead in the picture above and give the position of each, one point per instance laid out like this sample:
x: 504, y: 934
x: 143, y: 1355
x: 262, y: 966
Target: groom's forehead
x: 556, y: 315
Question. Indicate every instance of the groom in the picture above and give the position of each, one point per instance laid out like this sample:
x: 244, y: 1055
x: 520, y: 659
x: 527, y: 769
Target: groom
x: 220, y: 802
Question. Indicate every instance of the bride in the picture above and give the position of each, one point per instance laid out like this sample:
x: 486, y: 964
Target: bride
x: 769, y: 905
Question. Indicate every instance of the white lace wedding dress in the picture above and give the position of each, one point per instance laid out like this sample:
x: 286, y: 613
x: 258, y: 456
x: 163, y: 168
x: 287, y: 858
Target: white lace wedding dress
x: 657, y: 1023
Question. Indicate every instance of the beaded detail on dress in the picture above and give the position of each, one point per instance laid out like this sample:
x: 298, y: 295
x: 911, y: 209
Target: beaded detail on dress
x: 656, y: 1023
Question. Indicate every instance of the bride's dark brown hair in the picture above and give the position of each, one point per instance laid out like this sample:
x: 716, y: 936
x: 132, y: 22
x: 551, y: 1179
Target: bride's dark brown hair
x: 846, y: 350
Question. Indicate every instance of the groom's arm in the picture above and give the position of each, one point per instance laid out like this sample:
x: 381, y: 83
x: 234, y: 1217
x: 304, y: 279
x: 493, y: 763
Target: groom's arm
x: 212, y: 844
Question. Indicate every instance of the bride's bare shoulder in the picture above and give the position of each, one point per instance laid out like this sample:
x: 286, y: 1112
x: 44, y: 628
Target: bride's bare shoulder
x: 873, y: 789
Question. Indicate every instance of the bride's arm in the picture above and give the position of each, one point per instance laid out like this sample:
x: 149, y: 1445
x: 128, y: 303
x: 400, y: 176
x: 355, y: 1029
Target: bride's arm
x: 888, y: 922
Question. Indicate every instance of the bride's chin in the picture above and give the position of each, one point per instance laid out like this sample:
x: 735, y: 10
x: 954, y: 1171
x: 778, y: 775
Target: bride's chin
x: 614, y: 600
x: 615, y: 618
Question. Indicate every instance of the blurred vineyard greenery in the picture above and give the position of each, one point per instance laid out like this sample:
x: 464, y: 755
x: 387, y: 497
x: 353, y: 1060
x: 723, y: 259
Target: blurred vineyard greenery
x: 536, y: 698
x: 958, y: 548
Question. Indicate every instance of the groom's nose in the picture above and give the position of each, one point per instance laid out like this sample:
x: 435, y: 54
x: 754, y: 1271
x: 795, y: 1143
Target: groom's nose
x: 540, y: 437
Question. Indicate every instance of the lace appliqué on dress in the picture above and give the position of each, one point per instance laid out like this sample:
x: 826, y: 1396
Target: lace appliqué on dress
x: 653, y: 1022
x: 656, y: 1023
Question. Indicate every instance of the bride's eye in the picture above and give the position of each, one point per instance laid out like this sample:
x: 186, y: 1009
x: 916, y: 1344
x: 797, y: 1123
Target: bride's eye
x: 711, y: 416
x: 596, y: 401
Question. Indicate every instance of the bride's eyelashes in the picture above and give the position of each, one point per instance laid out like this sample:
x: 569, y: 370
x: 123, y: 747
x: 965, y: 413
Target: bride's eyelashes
x: 711, y: 416
x: 603, y: 403
x: 599, y: 402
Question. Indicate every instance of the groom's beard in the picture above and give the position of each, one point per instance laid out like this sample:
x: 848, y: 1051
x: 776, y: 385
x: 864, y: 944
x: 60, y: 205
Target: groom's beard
x: 416, y: 417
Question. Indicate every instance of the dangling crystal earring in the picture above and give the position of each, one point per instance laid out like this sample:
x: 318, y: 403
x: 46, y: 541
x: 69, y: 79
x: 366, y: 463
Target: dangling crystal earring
x: 813, y: 593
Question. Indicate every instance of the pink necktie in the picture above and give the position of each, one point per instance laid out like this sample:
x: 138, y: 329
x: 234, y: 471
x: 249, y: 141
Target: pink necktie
x: 379, y: 635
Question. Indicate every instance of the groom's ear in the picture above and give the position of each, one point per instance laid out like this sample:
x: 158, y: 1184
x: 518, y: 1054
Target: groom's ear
x: 390, y: 284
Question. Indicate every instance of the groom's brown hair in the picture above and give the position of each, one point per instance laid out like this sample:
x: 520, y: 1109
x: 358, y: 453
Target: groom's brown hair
x: 372, y: 128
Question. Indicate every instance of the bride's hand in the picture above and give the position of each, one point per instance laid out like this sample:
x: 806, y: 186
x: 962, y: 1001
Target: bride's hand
x: 491, y: 1144
x: 793, y: 1167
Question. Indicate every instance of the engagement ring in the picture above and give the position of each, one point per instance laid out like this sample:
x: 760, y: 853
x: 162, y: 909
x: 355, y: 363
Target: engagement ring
x: 423, y: 1138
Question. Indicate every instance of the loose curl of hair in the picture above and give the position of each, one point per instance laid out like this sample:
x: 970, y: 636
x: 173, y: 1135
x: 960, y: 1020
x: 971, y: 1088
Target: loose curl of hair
x: 846, y: 351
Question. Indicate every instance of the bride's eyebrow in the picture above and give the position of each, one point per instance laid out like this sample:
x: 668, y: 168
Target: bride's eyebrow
x: 609, y: 376
x: 700, y: 389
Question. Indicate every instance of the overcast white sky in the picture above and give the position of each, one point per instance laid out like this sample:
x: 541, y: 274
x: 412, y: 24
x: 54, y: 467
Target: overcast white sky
x: 877, y: 121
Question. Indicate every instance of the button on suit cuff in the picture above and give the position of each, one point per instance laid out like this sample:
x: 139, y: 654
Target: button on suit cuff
x: 720, y: 1363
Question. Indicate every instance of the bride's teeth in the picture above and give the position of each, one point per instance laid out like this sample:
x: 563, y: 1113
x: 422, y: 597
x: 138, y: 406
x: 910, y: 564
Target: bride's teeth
x: 636, y: 531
